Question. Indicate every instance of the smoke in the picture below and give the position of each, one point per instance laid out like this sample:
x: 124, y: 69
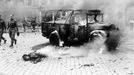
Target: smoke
x: 115, y: 11
x: 74, y: 51
x: 18, y: 9
x: 118, y: 12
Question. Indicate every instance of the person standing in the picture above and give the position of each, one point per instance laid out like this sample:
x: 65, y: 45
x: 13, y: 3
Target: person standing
x: 24, y: 24
x: 2, y: 28
x: 13, y: 29
x: 33, y: 23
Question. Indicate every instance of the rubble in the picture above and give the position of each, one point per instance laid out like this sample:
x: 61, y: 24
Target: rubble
x: 87, y: 65
x: 14, y: 63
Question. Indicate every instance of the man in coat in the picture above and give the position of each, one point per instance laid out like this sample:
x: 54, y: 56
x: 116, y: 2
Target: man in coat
x: 13, y: 29
x: 2, y: 28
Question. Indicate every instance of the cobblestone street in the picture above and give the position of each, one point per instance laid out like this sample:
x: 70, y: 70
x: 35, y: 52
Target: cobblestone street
x: 66, y: 37
x: 120, y: 63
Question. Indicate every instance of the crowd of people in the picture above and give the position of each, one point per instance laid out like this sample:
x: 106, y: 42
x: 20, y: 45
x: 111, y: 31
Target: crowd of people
x: 12, y: 28
x: 26, y: 22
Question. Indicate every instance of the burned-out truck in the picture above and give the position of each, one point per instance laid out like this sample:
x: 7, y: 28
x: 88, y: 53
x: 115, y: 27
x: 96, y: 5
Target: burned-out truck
x: 70, y: 26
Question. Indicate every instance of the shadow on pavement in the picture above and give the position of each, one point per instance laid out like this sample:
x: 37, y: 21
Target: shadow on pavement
x: 37, y: 47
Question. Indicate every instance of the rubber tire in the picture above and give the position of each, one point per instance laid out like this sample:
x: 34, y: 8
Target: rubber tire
x: 54, y: 39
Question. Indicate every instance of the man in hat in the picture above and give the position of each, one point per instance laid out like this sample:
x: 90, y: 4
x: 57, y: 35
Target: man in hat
x: 13, y: 28
x: 2, y: 28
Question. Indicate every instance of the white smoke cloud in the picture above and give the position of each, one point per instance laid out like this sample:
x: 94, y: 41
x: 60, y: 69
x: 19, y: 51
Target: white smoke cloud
x: 119, y: 12
x: 115, y: 10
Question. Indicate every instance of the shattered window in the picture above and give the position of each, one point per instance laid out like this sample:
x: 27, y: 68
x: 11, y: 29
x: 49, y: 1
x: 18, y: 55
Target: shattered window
x: 93, y: 19
x: 48, y: 17
x: 80, y: 19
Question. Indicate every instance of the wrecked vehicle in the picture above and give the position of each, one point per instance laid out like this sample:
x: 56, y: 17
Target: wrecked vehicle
x: 69, y: 27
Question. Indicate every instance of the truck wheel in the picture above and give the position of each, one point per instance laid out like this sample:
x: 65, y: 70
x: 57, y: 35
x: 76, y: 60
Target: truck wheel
x: 54, y: 38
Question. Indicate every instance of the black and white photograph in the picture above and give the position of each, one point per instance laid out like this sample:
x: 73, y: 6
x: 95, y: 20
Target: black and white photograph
x: 66, y: 37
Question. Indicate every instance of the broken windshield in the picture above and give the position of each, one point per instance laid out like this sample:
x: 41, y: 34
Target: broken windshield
x: 57, y: 16
x: 79, y: 18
